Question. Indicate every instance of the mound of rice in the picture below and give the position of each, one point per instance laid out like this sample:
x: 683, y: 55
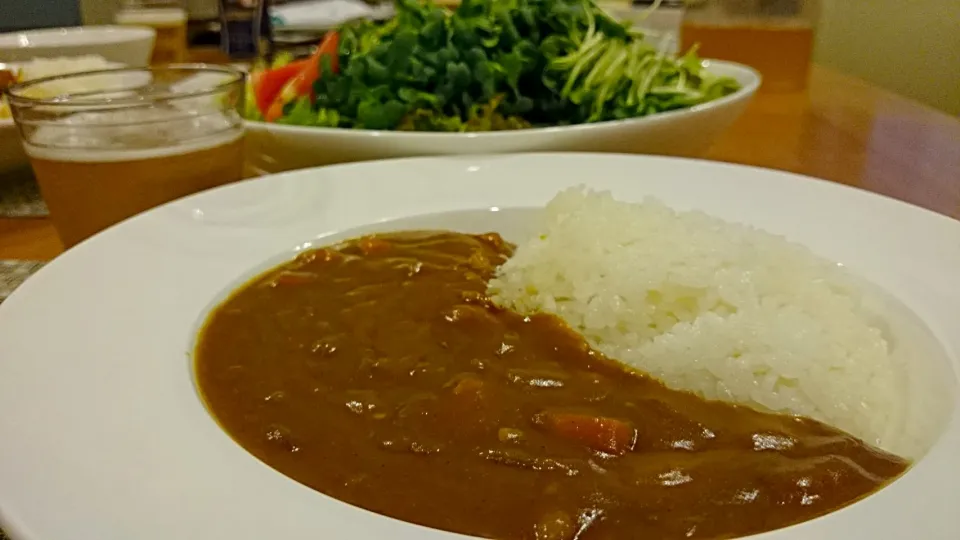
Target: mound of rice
x: 720, y: 309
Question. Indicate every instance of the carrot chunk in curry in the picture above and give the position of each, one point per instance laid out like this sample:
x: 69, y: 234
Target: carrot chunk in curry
x: 378, y: 372
x: 602, y: 434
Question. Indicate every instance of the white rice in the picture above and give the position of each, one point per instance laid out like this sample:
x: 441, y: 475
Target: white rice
x: 724, y: 310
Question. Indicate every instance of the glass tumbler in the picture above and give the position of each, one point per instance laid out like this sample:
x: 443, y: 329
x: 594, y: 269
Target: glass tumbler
x: 773, y: 36
x: 106, y: 145
x: 168, y: 18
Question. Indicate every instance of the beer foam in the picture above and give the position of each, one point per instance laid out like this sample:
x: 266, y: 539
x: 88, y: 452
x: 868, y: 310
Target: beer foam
x: 125, y: 135
x: 151, y: 17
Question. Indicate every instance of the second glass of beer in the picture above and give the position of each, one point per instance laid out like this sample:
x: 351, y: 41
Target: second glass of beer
x: 114, y: 143
x: 168, y: 18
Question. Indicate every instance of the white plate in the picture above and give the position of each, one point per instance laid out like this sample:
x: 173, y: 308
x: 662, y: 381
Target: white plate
x: 105, y: 438
x: 682, y: 132
x: 130, y: 45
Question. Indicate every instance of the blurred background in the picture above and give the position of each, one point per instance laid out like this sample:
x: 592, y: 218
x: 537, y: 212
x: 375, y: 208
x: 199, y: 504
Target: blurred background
x: 881, y: 41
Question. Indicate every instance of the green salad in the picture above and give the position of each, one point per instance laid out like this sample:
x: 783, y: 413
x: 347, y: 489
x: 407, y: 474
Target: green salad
x: 487, y: 65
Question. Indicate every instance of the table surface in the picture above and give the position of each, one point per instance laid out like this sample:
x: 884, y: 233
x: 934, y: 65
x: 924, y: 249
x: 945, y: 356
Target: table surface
x: 840, y: 129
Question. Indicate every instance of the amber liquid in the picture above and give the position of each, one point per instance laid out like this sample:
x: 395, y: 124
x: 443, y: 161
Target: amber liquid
x: 85, y: 197
x: 170, y: 46
x: 781, y: 53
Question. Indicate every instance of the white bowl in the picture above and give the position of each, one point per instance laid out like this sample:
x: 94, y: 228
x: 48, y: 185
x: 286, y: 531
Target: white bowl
x: 684, y: 132
x: 105, y: 436
x: 130, y: 45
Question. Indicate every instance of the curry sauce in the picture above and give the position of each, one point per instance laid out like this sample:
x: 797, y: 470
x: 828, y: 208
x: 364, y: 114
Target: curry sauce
x: 379, y: 373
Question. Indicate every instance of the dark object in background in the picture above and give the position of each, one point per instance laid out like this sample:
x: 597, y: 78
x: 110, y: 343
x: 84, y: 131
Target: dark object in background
x: 17, y: 15
x: 245, y: 32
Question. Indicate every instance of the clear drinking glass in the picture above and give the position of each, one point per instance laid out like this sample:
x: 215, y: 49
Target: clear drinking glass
x: 168, y: 18
x: 773, y: 36
x: 106, y: 145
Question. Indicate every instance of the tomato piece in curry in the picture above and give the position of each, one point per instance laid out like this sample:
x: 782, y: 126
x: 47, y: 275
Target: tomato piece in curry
x: 379, y: 373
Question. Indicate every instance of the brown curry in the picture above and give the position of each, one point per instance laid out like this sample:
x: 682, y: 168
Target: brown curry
x: 378, y: 372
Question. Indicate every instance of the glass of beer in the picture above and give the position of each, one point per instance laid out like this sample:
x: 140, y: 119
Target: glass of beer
x: 168, y: 18
x: 106, y: 145
x: 775, y: 37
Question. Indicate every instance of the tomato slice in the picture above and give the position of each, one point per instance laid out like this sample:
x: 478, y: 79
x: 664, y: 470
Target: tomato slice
x: 301, y: 84
x: 267, y: 84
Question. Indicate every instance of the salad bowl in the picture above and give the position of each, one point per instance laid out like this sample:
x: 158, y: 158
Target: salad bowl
x: 273, y: 147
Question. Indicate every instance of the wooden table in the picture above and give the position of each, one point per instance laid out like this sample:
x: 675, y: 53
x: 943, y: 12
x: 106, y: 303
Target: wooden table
x: 840, y: 129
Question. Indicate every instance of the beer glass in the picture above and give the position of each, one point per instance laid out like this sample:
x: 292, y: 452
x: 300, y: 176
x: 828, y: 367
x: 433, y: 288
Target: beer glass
x: 774, y: 36
x: 106, y: 145
x: 168, y: 18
